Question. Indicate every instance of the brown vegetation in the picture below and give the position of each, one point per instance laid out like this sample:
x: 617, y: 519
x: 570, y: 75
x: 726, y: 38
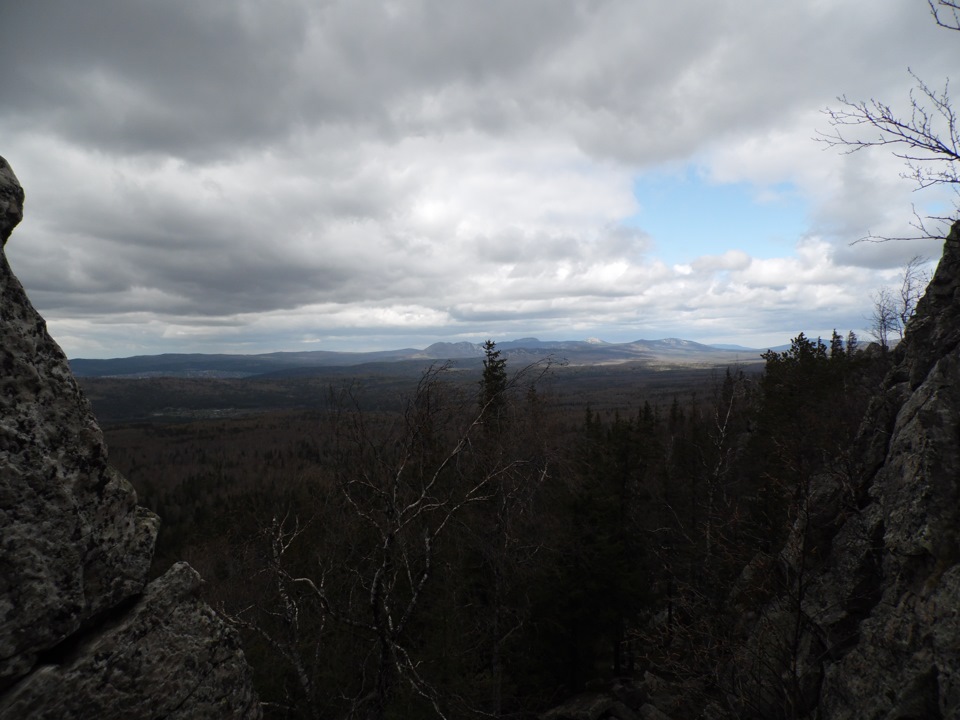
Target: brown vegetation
x: 391, y: 554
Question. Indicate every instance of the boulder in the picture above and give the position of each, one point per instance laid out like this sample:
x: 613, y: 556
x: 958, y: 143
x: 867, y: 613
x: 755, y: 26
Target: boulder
x: 167, y: 655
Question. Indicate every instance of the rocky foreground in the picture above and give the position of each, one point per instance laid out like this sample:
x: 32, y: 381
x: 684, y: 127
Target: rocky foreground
x: 82, y: 634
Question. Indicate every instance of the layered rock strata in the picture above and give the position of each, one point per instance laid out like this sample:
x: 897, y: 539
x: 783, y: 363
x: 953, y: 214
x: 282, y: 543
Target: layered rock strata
x: 81, y: 633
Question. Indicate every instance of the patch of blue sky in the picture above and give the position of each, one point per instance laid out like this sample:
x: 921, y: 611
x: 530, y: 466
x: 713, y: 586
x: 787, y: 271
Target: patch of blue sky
x: 941, y: 205
x: 689, y: 216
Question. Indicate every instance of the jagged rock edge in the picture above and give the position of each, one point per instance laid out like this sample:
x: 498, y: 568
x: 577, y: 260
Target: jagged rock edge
x: 53, y: 458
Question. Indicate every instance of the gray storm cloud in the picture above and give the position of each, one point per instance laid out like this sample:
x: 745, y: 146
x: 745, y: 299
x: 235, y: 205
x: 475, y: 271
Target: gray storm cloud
x: 435, y: 169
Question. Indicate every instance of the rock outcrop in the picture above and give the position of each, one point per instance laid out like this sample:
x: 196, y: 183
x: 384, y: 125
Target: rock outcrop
x: 81, y: 633
x: 870, y: 627
x: 906, y: 661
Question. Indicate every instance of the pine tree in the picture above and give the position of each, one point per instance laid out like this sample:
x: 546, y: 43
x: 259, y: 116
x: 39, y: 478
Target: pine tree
x: 836, y: 347
x: 493, y: 385
x: 852, y: 343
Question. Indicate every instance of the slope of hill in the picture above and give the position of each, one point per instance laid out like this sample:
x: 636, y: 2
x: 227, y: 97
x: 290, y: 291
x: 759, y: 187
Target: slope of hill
x: 670, y: 352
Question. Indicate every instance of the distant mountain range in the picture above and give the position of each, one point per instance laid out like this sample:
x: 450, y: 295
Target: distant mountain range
x: 670, y: 352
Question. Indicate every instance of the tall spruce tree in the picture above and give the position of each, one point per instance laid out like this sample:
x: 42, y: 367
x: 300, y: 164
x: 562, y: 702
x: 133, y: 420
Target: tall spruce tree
x: 493, y: 385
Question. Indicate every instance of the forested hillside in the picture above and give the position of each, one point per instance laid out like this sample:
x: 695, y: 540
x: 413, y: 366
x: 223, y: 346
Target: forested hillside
x: 481, y: 553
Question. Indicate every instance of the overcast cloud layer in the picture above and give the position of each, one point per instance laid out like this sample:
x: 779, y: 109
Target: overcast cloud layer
x: 252, y: 176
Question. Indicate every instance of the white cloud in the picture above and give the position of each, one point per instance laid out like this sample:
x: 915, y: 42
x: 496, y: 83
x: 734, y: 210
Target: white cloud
x: 277, y: 175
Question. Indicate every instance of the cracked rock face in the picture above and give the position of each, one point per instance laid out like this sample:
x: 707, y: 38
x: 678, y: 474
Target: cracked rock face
x: 75, y: 549
x: 169, y: 657
x: 907, y: 661
x: 881, y: 610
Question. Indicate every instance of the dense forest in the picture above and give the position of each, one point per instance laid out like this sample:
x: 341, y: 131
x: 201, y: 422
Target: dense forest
x: 481, y: 550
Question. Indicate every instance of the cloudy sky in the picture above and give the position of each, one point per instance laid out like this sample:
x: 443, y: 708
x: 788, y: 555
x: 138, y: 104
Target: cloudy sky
x: 259, y: 175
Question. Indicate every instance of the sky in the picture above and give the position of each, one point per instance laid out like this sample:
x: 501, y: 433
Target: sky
x: 262, y: 175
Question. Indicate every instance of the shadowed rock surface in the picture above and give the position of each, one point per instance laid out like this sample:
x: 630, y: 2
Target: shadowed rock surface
x: 906, y: 662
x: 80, y: 634
x: 879, y: 608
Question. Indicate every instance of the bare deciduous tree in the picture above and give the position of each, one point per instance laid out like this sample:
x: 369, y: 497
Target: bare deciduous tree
x: 892, y: 309
x: 946, y: 13
x: 402, y: 484
x: 289, y: 623
x: 883, y: 318
x: 926, y: 138
x: 913, y: 283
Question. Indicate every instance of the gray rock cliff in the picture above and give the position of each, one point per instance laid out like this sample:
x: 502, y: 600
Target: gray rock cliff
x: 870, y: 627
x: 81, y: 632
x: 906, y: 661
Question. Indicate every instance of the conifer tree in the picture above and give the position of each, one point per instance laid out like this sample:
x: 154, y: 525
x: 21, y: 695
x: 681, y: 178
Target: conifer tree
x: 493, y: 385
x: 836, y: 347
x: 852, y: 343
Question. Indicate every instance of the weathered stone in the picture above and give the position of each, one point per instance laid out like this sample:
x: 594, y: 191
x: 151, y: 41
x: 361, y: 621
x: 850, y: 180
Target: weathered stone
x: 11, y: 201
x: 75, y: 549
x: 907, y: 655
x: 879, y: 614
x: 74, y: 541
x: 169, y: 656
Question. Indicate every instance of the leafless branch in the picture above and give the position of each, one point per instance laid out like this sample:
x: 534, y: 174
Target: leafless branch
x: 926, y: 138
x: 946, y: 13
